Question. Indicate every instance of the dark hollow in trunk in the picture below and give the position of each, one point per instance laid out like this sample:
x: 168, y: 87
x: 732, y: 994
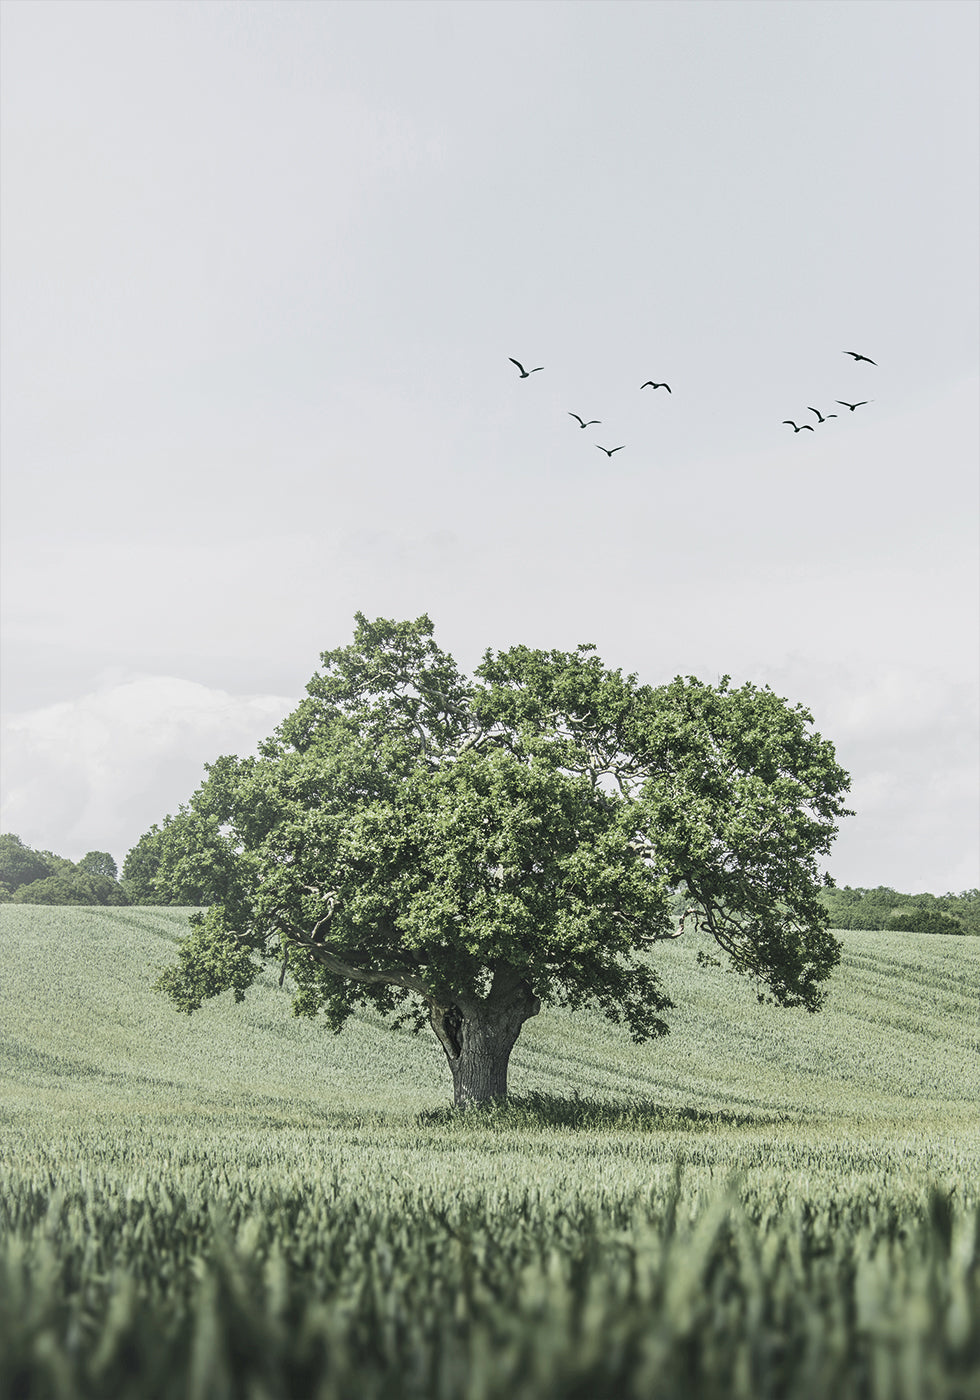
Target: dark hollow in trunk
x: 477, y: 1035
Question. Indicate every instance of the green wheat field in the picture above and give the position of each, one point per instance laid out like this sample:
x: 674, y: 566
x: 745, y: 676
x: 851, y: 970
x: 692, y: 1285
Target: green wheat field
x: 765, y: 1203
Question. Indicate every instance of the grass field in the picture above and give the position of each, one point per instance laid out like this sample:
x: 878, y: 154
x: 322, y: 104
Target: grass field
x: 764, y: 1203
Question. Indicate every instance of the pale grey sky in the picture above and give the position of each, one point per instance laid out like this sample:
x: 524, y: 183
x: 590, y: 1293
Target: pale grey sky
x: 263, y: 268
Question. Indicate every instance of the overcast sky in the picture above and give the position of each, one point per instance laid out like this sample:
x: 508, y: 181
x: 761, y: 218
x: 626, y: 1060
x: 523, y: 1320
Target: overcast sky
x: 263, y: 268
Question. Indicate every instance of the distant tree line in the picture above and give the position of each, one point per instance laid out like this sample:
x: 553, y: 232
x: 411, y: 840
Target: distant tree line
x: 884, y: 908
x: 148, y: 877
x: 40, y: 877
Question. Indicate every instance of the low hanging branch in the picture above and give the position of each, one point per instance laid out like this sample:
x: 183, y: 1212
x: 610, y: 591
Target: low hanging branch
x: 695, y: 913
x: 397, y: 976
x: 393, y: 976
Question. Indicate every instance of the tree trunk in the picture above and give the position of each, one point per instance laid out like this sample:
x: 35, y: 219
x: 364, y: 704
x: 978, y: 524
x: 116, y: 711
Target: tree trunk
x: 478, y: 1034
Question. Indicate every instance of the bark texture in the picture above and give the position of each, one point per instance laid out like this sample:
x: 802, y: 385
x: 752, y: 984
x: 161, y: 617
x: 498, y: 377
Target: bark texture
x: 477, y: 1035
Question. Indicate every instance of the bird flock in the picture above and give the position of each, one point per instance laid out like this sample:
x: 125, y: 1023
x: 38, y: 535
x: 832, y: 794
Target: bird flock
x: 588, y: 422
x: 659, y: 384
x: 822, y: 417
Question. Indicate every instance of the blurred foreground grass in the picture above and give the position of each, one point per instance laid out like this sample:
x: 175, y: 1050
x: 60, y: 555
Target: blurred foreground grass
x: 763, y: 1204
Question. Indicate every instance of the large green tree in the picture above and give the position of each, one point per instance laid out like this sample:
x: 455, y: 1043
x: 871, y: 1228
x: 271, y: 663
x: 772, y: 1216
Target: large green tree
x: 461, y: 851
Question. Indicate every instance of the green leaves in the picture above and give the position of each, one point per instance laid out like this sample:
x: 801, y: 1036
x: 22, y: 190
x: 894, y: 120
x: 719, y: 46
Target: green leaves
x: 392, y: 681
x: 40, y: 877
x: 740, y: 800
x: 406, y: 834
x: 209, y: 961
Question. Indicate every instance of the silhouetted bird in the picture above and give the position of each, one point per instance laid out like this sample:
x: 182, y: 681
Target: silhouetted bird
x: 859, y: 357
x: 581, y: 422
x: 821, y: 416
x: 525, y: 373
x: 808, y: 426
x: 610, y: 450
x: 650, y: 385
x: 852, y: 406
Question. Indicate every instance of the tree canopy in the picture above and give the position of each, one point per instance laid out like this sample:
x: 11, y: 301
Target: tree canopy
x: 40, y: 877
x: 461, y: 850
x: 142, y: 870
x: 20, y: 864
x: 99, y: 863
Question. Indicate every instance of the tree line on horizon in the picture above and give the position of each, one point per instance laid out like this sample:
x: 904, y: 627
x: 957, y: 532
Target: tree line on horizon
x: 884, y: 908
x: 30, y: 876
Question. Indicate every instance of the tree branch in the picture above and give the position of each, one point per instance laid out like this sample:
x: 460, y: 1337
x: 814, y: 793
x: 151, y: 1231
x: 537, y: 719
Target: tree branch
x: 394, y: 976
x: 663, y: 937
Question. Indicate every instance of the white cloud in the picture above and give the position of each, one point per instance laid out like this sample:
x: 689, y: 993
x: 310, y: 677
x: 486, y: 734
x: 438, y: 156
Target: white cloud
x: 908, y: 735
x: 96, y: 772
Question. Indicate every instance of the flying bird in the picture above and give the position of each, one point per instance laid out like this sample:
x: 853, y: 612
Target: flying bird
x: 581, y: 422
x: 525, y: 373
x: 610, y: 450
x: 807, y: 426
x: 650, y: 385
x: 852, y: 406
x: 859, y: 357
x: 821, y: 416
